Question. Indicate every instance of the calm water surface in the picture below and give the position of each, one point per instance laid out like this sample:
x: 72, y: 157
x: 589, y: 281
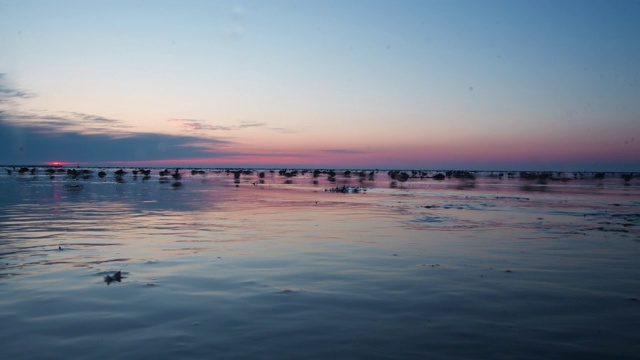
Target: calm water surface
x: 491, y: 268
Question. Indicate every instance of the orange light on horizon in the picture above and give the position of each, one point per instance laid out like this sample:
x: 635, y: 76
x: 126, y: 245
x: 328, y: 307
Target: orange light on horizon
x: 59, y: 163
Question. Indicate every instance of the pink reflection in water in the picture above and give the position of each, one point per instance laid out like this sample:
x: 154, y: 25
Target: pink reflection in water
x: 244, y: 268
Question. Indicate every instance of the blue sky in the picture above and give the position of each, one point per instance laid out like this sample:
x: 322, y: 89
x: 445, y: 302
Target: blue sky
x: 428, y: 84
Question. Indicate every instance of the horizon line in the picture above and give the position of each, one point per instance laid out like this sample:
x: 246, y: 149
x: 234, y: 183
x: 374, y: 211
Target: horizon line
x: 298, y: 167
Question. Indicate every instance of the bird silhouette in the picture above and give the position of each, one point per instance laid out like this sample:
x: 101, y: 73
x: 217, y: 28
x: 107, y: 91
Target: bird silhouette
x: 116, y: 277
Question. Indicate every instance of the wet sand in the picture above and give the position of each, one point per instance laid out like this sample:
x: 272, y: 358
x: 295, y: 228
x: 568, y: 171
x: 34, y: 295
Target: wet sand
x: 224, y: 268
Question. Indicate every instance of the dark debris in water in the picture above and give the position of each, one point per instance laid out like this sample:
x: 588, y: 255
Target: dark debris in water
x: 288, y: 290
x: 115, y: 277
x: 602, y: 228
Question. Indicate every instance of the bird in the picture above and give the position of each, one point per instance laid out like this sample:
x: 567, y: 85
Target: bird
x: 116, y: 277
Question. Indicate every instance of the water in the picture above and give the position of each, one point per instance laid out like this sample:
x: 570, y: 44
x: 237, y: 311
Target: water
x: 217, y: 268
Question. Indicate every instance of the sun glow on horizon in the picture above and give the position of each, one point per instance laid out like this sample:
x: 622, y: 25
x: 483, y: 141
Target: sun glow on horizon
x: 60, y: 163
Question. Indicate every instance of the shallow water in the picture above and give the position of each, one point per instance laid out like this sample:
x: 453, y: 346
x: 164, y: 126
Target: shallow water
x: 491, y: 268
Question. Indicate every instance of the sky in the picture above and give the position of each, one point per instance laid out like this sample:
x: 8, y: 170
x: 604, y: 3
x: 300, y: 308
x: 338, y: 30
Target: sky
x: 456, y: 84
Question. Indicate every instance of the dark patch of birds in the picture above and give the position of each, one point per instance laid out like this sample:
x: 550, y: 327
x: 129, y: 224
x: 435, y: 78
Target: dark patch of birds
x: 24, y: 170
x: 461, y: 175
x: 346, y: 189
x: 401, y: 176
x: 76, y: 173
x: 398, y: 177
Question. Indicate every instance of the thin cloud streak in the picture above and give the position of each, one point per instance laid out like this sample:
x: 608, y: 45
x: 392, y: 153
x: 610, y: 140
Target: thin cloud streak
x: 198, y: 125
x: 64, y: 121
x: 8, y: 93
x: 251, y: 125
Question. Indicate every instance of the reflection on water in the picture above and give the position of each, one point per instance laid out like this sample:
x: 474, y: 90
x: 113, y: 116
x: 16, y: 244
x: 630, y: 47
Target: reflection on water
x: 276, y: 267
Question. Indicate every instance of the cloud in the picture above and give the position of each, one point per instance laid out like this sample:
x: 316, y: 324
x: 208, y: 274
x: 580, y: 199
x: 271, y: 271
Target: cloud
x: 237, y: 11
x: 251, y: 124
x: 49, y: 138
x: 59, y: 121
x: 233, y: 32
x: 52, y: 122
x: 199, y: 125
x: 93, y: 118
x: 38, y: 136
x: 8, y: 93
x: 65, y: 121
